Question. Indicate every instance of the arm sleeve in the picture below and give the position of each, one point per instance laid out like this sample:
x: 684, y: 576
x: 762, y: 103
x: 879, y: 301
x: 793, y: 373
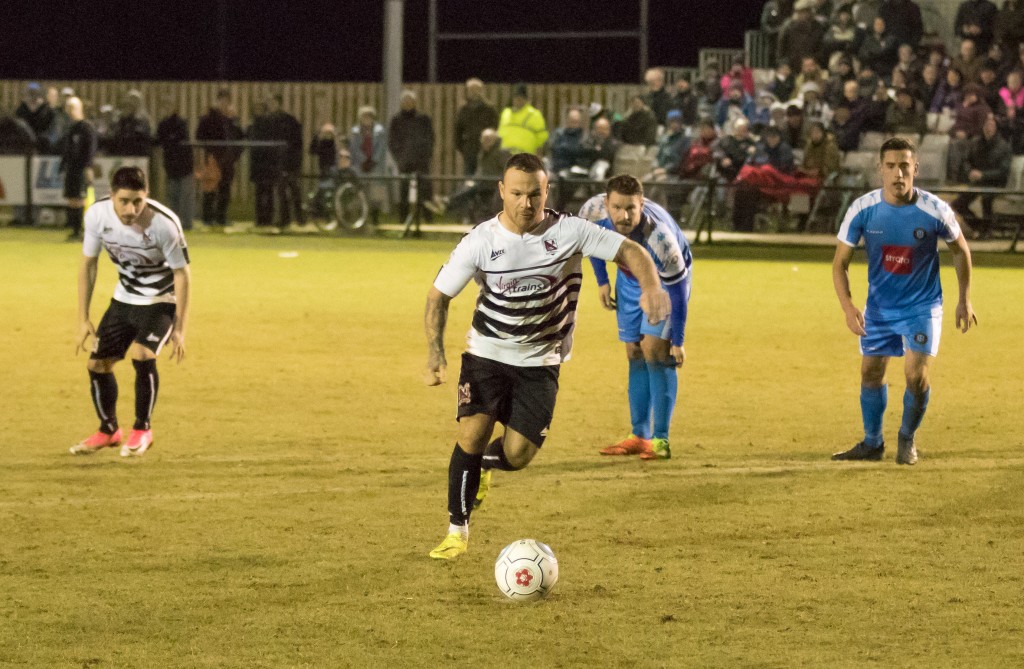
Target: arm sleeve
x: 677, y: 293
x: 459, y: 270
x: 595, y: 241
x: 852, y: 228
x: 91, y: 244
x: 174, y: 248
x: 949, y: 229
x: 600, y: 271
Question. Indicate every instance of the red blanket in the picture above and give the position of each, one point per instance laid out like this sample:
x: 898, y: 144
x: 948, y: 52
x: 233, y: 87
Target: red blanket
x: 775, y: 185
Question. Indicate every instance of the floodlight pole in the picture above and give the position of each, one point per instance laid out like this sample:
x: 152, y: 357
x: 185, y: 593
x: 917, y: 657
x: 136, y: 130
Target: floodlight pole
x: 394, y: 12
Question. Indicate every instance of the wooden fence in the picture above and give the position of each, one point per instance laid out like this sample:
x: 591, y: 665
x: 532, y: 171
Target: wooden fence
x: 316, y: 103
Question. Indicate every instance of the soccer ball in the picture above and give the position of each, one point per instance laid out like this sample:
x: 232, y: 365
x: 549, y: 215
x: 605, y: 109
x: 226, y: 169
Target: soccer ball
x: 526, y: 570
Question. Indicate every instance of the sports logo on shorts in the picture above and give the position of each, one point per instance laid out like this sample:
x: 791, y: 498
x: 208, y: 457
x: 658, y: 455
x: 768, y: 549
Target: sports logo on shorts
x: 919, y: 233
x: 921, y: 338
x: 550, y: 245
x: 464, y: 395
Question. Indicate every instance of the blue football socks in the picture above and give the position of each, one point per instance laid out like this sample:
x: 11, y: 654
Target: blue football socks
x: 640, y: 398
x: 914, y: 407
x: 872, y: 408
x: 664, y: 384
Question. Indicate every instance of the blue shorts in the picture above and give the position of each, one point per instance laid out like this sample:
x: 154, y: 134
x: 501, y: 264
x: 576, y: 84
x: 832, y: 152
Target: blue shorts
x: 892, y: 337
x: 632, y: 321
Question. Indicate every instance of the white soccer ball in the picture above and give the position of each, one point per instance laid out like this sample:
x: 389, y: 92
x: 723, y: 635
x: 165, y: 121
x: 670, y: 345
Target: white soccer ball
x: 526, y: 570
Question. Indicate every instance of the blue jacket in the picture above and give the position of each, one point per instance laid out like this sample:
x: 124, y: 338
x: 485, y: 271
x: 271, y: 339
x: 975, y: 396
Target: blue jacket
x: 377, y: 163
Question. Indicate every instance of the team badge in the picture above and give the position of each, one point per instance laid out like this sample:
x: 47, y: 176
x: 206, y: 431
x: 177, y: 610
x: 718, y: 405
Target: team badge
x: 464, y: 395
x: 921, y: 338
x: 919, y: 233
x: 550, y: 245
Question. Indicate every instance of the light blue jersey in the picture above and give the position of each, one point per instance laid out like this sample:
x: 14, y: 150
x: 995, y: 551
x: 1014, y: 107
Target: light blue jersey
x: 902, y: 250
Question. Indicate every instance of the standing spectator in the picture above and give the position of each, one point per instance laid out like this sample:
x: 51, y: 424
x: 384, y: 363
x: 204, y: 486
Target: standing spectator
x: 286, y: 128
x: 76, y: 164
x: 927, y: 86
x: 967, y: 61
x: 567, y: 142
x: 903, y: 17
x: 657, y: 99
x: 133, y: 132
x: 172, y: 134
x: 324, y: 147
x: 264, y: 165
x: 16, y: 137
x: 1009, y: 25
x: 845, y: 129
x: 476, y: 115
x: 1013, y: 93
x: 739, y: 72
x: 368, y: 146
x: 640, y: 127
x: 104, y: 125
x: 219, y: 125
x: 906, y: 116
x: 987, y: 164
x: 685, y: 101
x: 34, y: 111
x: 61, y: 121
x: 672, y: 145
x: 843, y: 35
x: 411, y: 141
x: 975, y: 20
x: 801, y: 35
x: 879, y: 49
x: 522, y: 127
x: 794, y: 131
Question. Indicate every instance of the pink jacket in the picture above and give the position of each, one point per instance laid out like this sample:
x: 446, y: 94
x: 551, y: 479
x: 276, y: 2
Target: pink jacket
x: 1011, y: 99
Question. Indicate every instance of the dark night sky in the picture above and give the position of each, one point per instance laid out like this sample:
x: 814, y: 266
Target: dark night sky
x: 340, y: 40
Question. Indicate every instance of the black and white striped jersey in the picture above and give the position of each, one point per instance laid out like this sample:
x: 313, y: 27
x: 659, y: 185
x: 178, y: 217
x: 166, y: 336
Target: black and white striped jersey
x: 145, y: 259
x: 529, y: 286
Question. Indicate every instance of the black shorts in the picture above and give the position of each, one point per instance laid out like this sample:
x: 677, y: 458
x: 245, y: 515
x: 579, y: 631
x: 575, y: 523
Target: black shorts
x: 521, y: 398
x: 123, y: 324
x: 74, y: 184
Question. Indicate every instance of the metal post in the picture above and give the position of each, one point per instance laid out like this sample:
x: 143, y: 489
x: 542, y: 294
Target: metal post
x: 643, y: 37
x: 394, y: 12
x: 29, y: 213
x: 222, y: 40
x: 432, y: 42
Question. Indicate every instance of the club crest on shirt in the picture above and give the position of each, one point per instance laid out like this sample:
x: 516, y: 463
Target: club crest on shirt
x: 919, y: 233
x: 465, y: 397
x: 550, y: 245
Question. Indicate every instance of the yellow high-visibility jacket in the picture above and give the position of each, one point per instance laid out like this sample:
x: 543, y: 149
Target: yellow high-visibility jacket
x: 522, y: 131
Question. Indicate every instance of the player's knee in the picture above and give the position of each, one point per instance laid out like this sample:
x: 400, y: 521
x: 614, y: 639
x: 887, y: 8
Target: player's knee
x: 101, y: 366
x: 633, y: 351
x: 917, y: 382
x: 518, y: 460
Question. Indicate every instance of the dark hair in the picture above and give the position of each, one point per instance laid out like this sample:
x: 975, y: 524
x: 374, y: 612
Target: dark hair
x: 223, y: 93
x: 625, y: 184
x: 128, y: 178
x: 896, y: 144
x: 525, y: 162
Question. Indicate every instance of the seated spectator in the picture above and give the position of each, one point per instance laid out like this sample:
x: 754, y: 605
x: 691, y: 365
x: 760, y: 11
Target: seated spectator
x: 640, y: 127
x: 736, y: 105
x: 783, y: 84
x: 868, y: 82
x: 937, y: 57
x: 810, y: 73
x: 908, y: 64
x: 769, y: 174
x: 800, y: 37
x: 843, y: 35
x: 739, y: 72
x: 794, y: 132
x: 927, y: 85
x: 821, y: 155
x: 949, y: 94
x: 872, y: 113
x: 566, y: 145
x: 671, y: 146
x: 990, y: 90
x: 700, y: 153
x: 814, y: 108
x: 481, y: 192
x: 864, y: 13
x: 879, y: 48
x: 898, y: 81
x: 1012, y: 93
x: 987, y: 163
x: 733, y: 151
x: 772, y: 150
x: 904, y: 20
x: 967, y: 61
x: 657, y: 99
x: 840, y: 72
x: 970, y: 119
x: 599, y: 148
x: 762, y: 115
x: 906, y: 116
x: 325, y: 149
x: 844, y: 129
x: 685, y: 101
x: 996, y: 58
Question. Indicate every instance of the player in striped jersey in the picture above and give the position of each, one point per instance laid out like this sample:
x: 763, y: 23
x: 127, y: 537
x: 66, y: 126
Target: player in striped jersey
x: 900, y: 226
x: 653, y: 351
x: 145, y: 242
x: 527, y: 261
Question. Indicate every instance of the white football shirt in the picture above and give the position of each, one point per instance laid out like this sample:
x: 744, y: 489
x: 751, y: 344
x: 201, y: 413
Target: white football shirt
x: 145, y: 259
x: 529, y: 285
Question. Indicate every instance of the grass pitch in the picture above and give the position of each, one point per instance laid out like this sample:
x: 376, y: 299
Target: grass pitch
x: 283, y: 517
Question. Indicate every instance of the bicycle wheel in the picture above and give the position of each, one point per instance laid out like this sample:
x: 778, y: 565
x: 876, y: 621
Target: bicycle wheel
x: 320, y: 209
x: 350, y: 206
